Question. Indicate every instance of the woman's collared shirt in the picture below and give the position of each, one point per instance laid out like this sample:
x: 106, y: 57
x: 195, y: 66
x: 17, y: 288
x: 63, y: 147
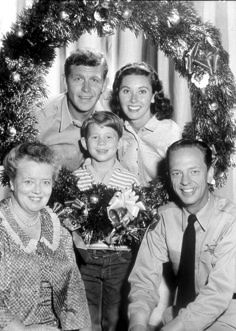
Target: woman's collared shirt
x: 141, y: 152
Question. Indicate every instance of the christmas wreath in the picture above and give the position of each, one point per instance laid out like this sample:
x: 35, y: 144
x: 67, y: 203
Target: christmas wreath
x: 103, y: 214
x: 28, y: 50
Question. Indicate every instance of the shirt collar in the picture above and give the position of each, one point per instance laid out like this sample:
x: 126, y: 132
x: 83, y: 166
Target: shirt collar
x: 204, y: 214
x: 66, y: 118
x: 88, y: 164
x: 50, y: 229
x: 151, y: 125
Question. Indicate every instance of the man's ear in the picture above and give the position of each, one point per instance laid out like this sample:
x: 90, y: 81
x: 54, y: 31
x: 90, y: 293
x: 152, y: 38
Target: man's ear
x: 65, y: 82
x: 83, y: 143
x: 210, y: 175
x: 11, y: 186
x: 105, y: 84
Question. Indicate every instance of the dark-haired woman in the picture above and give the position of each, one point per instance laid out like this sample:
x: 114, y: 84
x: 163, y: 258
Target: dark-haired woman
x: 138, y: 98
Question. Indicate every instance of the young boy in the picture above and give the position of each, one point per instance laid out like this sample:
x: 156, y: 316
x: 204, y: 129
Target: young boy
x: 106, y: 269
x: 101, y: 135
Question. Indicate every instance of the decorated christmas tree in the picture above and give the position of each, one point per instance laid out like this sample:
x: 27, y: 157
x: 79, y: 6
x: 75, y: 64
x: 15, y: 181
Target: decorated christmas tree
x: 28, y: 51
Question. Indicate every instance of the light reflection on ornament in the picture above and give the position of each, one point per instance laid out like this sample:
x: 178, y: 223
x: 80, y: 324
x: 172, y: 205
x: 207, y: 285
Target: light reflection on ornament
x: 107, y: 29
x: 16, y: 77
x: 28, y: 4
x: 91, y: 3
x: 64, y: 15
x: 94, y: 198
x: 105, y: 4
x: 201, y: 81
x: 174, y: 18
x: 213, y: 106
x: 12, y: 131
x: 20, y: 33
x: 101, y: 14
x: 127, y: 13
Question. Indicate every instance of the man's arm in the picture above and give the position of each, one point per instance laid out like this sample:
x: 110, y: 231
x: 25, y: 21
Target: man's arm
x: 146, y: 276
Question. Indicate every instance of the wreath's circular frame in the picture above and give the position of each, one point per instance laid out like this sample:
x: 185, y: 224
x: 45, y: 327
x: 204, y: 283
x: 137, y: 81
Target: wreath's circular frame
x: 28, y: 51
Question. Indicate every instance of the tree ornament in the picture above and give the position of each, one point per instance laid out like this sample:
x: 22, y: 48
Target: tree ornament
x: 94, y: 199
x: 91, y: 3
x: 28, y: 4
x: 107, y: 29
x: 20, y: 33
x: 200, y: 80
x: 173, y: 19
x: 101, y: 14
x: 12, y: 131
x: 105, y: 4
x: 116, y: 216
x: 2, y: 130
x: 16, y: 77
x: 213, y: 106
x: 64, y: 15
x: 127, y: 13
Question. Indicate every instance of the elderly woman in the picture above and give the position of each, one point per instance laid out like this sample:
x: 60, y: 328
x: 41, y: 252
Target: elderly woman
x: 40, y: 284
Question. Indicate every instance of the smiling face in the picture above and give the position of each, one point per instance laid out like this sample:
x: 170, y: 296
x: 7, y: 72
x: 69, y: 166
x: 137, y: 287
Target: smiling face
x: 190, y: 177
x: 84, y: 87
x: 135, y: 95
x: 32, y: 185
x: 101, y: 142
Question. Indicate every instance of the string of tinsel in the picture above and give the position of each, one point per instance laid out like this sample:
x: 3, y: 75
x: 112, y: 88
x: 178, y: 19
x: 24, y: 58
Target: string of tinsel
x: 27, y: 52
x: 86, y: 211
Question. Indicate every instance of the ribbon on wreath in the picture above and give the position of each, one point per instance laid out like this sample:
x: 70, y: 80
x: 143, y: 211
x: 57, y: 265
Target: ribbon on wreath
x: 123, y: 208
x: 66, y: 213
x: 208, y: 61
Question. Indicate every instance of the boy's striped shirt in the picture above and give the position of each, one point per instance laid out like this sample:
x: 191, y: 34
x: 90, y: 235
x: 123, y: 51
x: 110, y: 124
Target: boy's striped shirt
x: 120, y: 178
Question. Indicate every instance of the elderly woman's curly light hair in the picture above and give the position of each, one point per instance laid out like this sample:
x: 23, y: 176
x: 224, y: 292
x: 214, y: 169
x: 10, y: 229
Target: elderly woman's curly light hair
x: 32, y: 151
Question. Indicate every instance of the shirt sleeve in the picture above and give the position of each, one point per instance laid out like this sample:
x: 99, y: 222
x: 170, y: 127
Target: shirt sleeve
x: 74, y: 313
x: 215, y: 296
x: 5, y: 314
x: 146, y: 275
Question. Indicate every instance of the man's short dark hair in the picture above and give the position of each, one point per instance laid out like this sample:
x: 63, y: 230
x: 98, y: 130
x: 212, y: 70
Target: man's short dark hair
x: 184, y: 143
x: 87, y: 57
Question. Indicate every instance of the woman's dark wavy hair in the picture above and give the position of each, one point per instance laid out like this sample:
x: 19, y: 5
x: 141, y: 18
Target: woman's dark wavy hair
x: 161, y: 106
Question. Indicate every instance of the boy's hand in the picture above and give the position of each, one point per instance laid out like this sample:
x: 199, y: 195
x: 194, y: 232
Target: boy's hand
x: 78, y: 241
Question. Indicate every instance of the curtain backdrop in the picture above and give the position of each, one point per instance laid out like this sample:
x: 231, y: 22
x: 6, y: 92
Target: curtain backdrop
x: 123, y: 47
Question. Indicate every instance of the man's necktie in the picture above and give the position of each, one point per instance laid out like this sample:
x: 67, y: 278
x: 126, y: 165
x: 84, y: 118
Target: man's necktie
x: 186, y: 284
